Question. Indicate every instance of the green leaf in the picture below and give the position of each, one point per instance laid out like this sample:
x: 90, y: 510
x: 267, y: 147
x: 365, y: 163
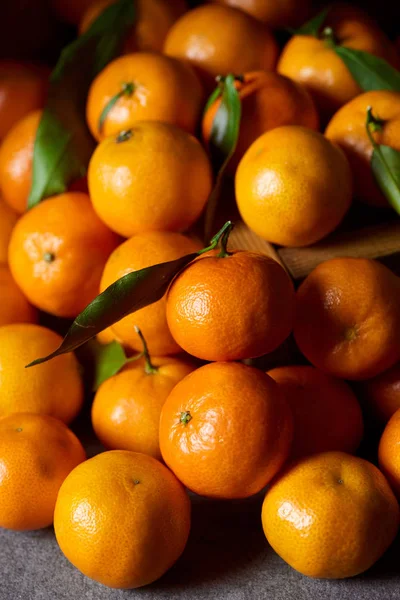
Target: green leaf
x: 385, y: 163
x: 223, y: 140
x: 109, y: 360
x: 63, y: 144
x: 313, y: 26
x: 369, y: 71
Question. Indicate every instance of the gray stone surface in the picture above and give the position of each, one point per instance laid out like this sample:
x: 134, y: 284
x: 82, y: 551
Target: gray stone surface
x: 227, y: 558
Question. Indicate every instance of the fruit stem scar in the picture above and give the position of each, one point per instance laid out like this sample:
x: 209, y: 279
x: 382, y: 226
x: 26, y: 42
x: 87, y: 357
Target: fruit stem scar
x: 372, y: 125
x: 185, y: 417
x: 19, y: 429
x: 351, y: 334
x: 127, y: 90
x: 49, y: 257
x: 136, y: 481
x: 340, y: 481
x: 328, y: 37
x: 149, y: 368
x: 124, y: 136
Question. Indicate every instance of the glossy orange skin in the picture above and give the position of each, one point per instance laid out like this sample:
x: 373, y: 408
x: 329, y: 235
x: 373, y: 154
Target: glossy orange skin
x: 16, y: 158
x: 388, y: 452
x: 54, y: 388
x: 313, y: 63
x: 348, y: 318
x: 23, y: 89
x: 347, y: 130
x: 14, y: 307
x: 278, y: 15
x: 153, y: 20
x: 330, y: 515
x: 231, y: 308
x: 202, y: 37
x: 268, y: 100
x: 326, y: 413
x: 238, y: 436
x: 126, y: 408
x: 293, y: 186
x: 122, y: 519
x: 158, y: 81
x: 67, y: 227
x: 8, y: 219
x: 158, y: 180
x: 139, y: 252
x: 37, y: 452
x: 382, y: 393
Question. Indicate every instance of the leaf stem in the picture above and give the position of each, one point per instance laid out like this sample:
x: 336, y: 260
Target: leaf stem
x: 127, y: 90
x: 223, y: 235
x: 328, y: 37
x: 373, y: 124
x: 149, y: 368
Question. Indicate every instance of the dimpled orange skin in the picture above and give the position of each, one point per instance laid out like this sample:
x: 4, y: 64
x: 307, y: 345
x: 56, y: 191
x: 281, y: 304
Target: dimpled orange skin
x: 269, y: 100
x: 139, y: 252
x: 122, y: 519
x: 67, y: 228
x: 348, y: 318
x: 326, y: 413
x: 14, y: 307
x: 23, y: 88
x: 238, y: 434
x: 278, y: 15
x: 202, y: 37
x: 153, y: 20
x: 310, y: 61
x: 158, y: 84
x: 157, y: 180
x: 126, y: 408
x: 382, y: 393
x: 388, y: 452
x: 16, y: 157
x: 293, y: 186
x: 330, y: 515
x: 347, y: 130
x: 37, y: 452
x: 8, y: 218
x: 54, y: 388
x: 231, y: 308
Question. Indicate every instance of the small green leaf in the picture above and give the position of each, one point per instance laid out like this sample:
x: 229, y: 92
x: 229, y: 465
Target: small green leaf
x: 223, y: 140
x: 109, y: 360
x: 313, y: 26
x: 63, y: 144
x: 369, y: 71
x: 385, y: 164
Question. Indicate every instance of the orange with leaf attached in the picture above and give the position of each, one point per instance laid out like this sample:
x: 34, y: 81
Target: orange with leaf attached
x: 313, y: 62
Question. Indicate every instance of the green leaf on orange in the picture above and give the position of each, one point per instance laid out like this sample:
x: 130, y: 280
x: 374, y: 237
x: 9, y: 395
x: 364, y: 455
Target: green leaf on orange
x: 108, y: 361
x: 369, y: 71
x: 63, y: 144
x: 313, y: 26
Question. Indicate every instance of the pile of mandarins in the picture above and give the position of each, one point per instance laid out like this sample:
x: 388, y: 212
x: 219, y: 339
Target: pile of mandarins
x: 187, y: 410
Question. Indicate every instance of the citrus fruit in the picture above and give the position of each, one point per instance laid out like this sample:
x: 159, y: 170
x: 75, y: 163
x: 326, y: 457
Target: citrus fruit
x: 348, y: 318
x: 278, y: 15
x: 57, y: 253
x: 153, y: 19
x: 313, y: 62
x: 347, y: 129
x: 213, y: 315
x: 16, y: 157
x: 14, y: 307
x: 218, y: 40
x: 293, y: 198
x: 8, y: 218
x: 268, y: 100
x: 23, y: 88
x: 53, y: 388
x: 225, y: 430
x: 326, y: 413
x: 150, y: 88
x: 139, y: 252
x: 330, y: 515
x: 36, y: 454
x: 388, y: 452
x: 153, y: 177
x: 122, y: 518
x: 126, y: 408
x: 382, y: 393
